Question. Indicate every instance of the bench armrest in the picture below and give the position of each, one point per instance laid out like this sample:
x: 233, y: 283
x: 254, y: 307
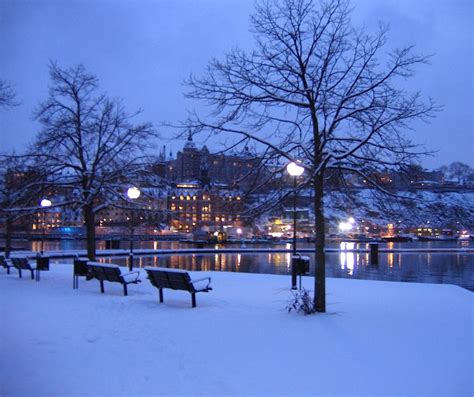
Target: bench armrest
x: 131, y: 277
x: 200, y: 281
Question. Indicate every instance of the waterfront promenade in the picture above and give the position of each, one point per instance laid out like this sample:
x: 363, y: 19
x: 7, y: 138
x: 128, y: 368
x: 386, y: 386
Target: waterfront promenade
x: 378, y: 338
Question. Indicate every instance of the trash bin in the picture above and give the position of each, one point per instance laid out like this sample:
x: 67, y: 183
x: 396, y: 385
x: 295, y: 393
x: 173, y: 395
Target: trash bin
x: 374, y: 253
x: 301, y: 264
x: 79, y: 269
x: 80, y: 266
x: 42, y: 263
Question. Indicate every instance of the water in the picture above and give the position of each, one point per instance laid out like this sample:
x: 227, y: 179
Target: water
x: 425, y: 267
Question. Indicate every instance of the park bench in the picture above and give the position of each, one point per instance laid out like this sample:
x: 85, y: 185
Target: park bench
x: 178, y: 280
x: 112, y: 273
x: 5, y: 263
x: 24, y: 264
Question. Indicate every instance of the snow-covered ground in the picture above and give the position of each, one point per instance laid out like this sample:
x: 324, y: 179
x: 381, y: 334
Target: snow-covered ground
x: 378, y: 338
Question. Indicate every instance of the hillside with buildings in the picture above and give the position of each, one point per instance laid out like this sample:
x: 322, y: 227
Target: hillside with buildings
x: 222, y: 193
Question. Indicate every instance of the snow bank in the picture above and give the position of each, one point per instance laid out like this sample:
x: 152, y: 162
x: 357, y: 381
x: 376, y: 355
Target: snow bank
x: 378, y: 338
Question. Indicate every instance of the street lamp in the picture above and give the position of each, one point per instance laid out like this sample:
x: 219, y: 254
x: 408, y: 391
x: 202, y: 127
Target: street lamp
x: 44, y: 203
x: 295, y: 171
x: 239, y: 232
x: 133, y: 193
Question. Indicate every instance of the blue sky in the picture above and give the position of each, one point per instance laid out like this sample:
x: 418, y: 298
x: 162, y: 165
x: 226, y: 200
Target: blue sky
x: 141, y: 50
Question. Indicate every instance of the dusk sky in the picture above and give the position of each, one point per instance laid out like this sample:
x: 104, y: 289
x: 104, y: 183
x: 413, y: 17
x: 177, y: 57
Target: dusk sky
x: 142, y: 51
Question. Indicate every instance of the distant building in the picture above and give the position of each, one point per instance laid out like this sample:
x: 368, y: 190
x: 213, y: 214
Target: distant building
x: 193, y: 206
x: 193, y: 164
x: 149, y: 210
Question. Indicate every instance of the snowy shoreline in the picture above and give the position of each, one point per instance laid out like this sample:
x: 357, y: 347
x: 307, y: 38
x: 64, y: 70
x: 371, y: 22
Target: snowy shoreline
x: 378, y: 338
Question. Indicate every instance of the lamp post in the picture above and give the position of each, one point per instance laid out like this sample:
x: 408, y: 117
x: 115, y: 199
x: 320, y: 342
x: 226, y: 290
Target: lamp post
x: 295, y: 171
x: 239, y: 232
x: 133, y: 193
x: 44, y: 203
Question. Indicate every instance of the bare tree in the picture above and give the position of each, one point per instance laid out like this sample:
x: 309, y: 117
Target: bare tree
x: 7, y: 95
x: 459, y: 171
x: 318, y: 91
x: 21, y: 186
x: 88, y: 143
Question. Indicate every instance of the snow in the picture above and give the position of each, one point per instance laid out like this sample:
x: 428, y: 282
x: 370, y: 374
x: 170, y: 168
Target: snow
x: 131, y: 277
x: 108, y: 266
x: 436, y: 208
x: 166, y: 269
x: 378, y: 338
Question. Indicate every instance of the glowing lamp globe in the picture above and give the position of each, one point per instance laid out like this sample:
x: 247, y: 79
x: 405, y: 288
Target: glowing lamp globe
x: 345, y: 226
x: 45, y: 203
x: 133, y: 193
x: 294, y: 169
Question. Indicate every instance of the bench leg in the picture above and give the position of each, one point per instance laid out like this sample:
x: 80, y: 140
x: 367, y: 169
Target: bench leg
x: 38, y: 275
x: 8, y: 270
x: 101, y: 286
x: 161, y: 295
x: 32, y: 274
x: 125, y: 292
x: 20, y: 273
x: 193, y: 299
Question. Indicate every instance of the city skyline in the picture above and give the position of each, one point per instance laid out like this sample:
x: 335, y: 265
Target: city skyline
x: 143, y: 53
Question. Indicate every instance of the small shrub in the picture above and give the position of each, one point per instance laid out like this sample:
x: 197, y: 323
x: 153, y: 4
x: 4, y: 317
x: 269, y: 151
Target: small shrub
x: 301, y: 302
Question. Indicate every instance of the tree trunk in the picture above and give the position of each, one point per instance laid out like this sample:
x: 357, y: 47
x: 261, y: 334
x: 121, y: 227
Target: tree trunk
x: 89, y: 218
x: 320, y: 273
x: 8, y: 236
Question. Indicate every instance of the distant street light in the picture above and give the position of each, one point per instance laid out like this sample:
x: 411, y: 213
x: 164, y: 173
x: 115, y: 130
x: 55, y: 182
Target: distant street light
x: 133, y: 193
x: 45, y: 203
x: 346, y: 226
x: 295, y: 171
x: 239, y: 232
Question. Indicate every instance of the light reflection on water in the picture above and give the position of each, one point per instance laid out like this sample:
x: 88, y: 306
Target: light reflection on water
x: 447, y: 268
x: 414, y: 267
x: 124, y: 244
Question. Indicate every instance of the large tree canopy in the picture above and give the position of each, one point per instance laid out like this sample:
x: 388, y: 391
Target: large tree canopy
x: 88, y: 142
x: 317, y: 90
